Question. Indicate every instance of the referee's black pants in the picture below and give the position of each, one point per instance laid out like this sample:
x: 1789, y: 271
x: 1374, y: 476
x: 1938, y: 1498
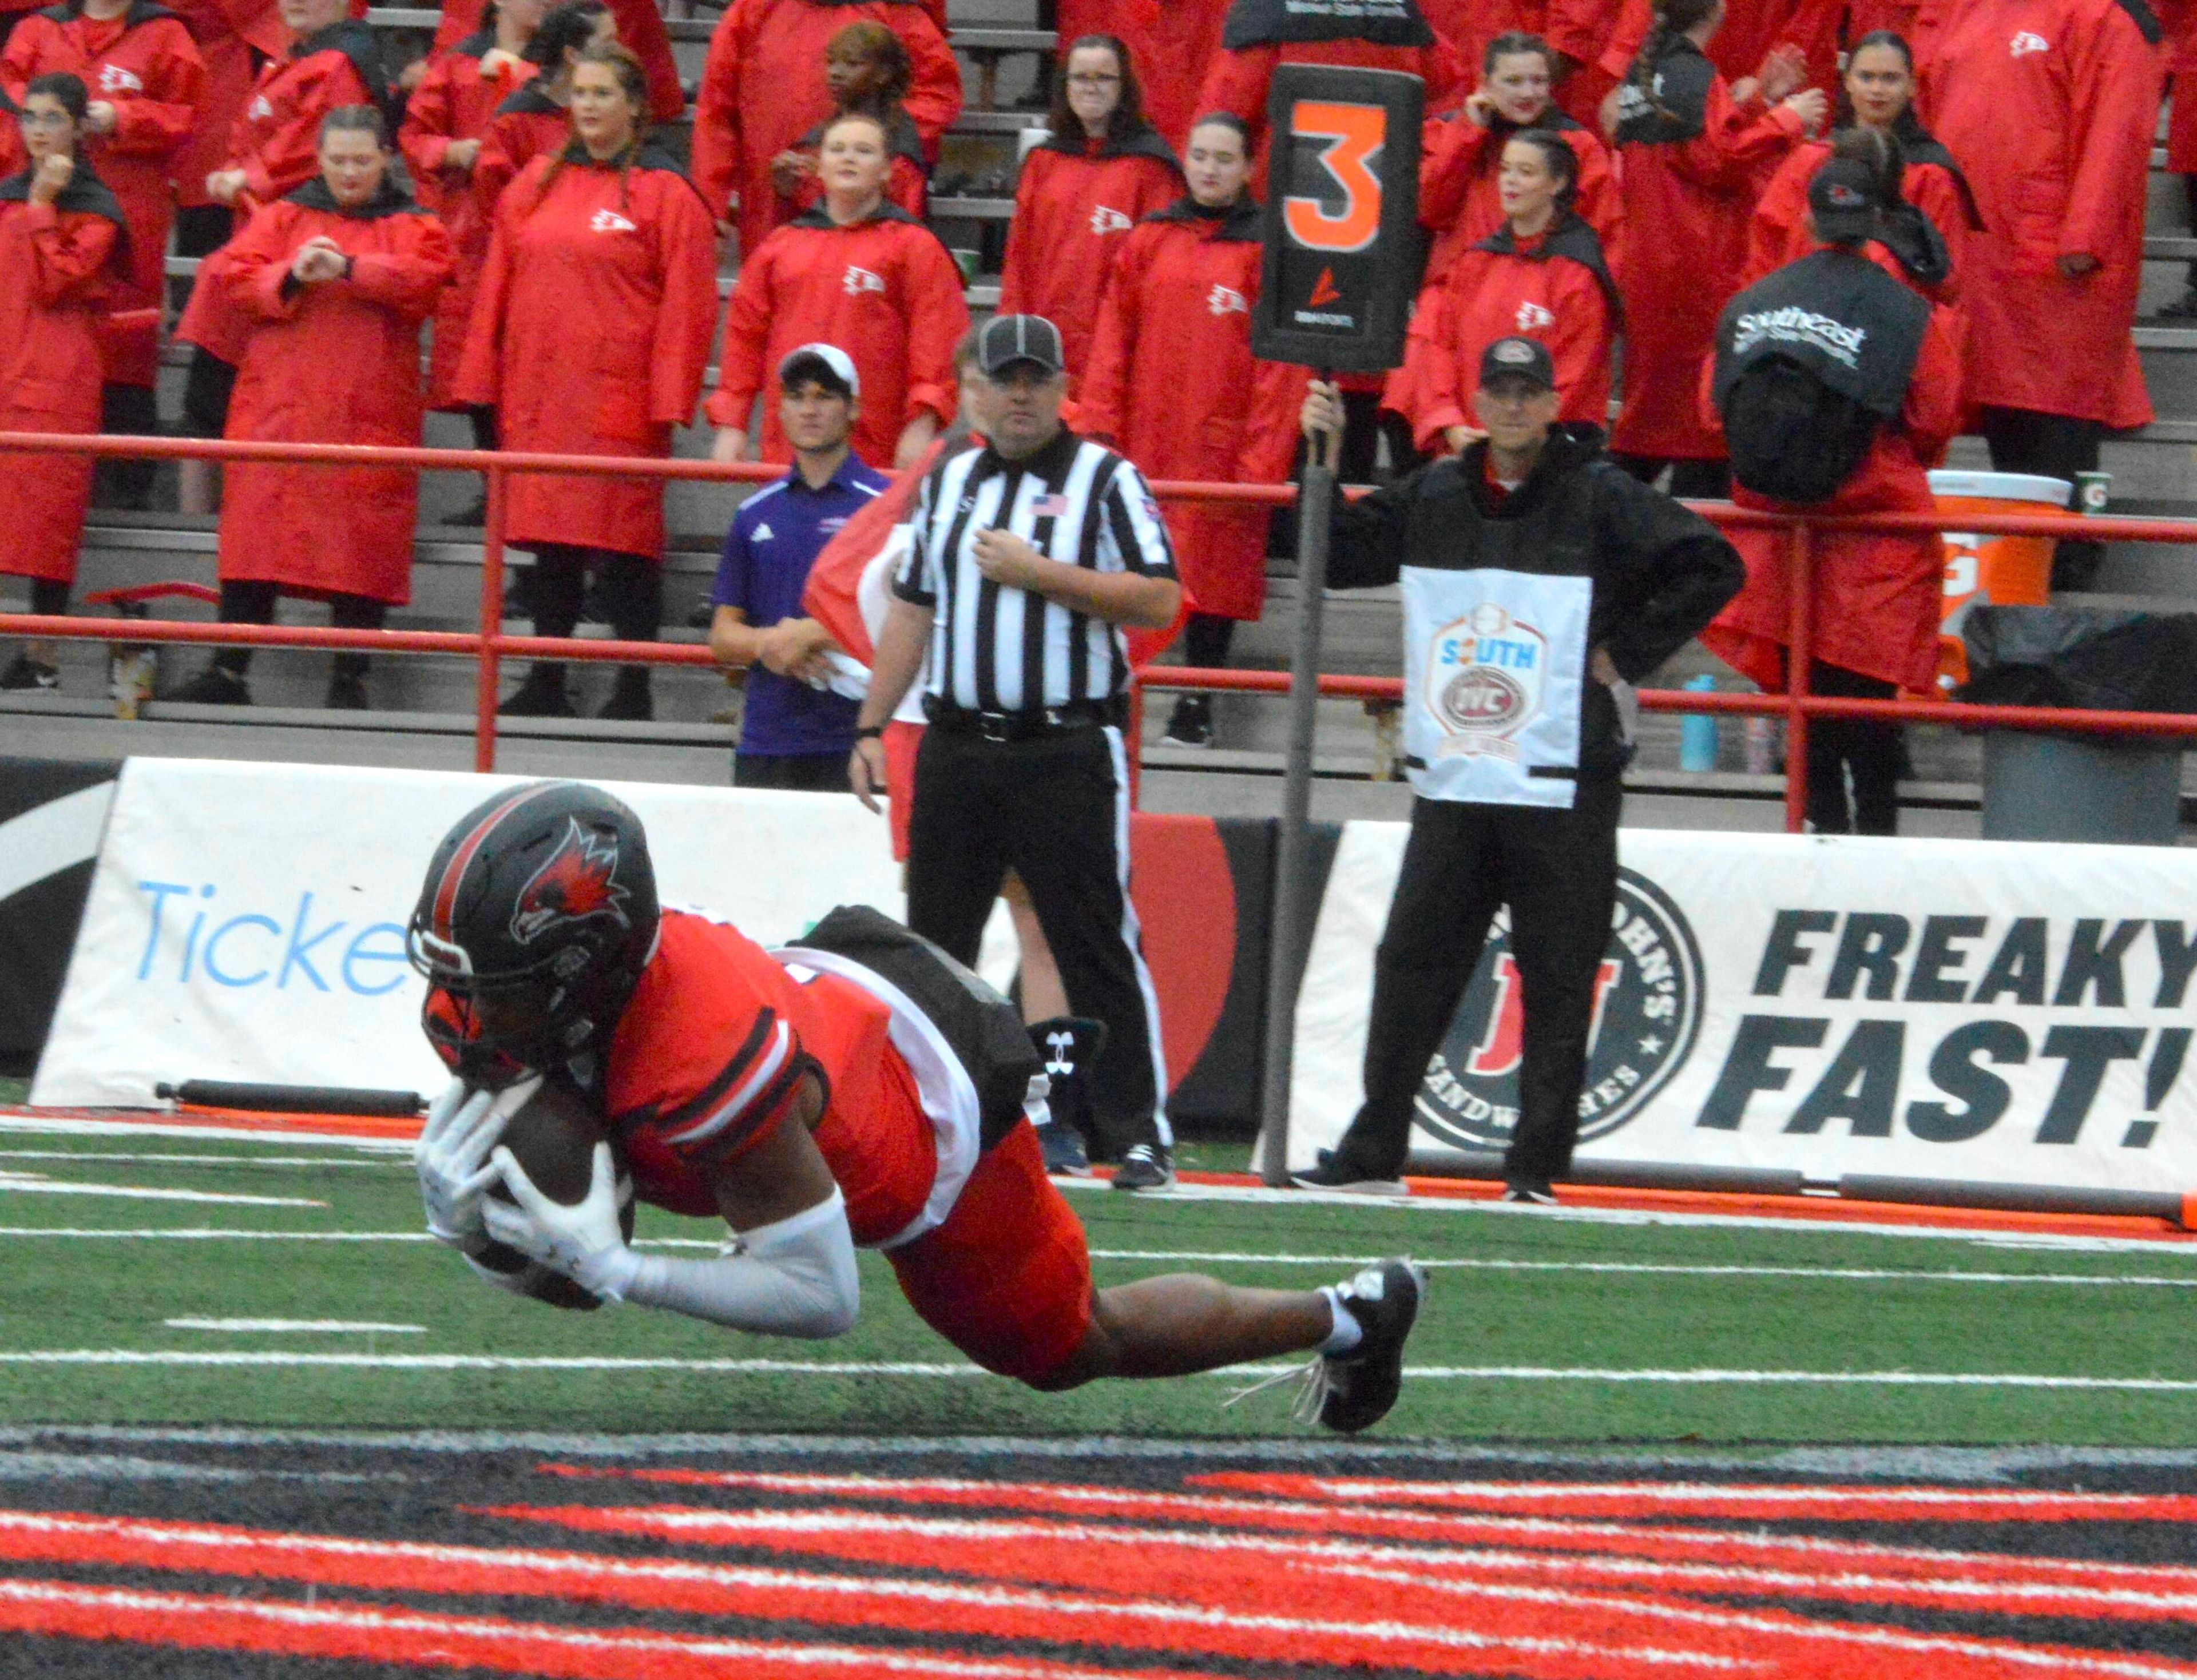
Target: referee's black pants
x: 1558, y: 870
x: 1055, y: 809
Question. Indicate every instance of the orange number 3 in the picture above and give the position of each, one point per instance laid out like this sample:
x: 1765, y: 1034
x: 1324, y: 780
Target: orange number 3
x: 1355, y: 135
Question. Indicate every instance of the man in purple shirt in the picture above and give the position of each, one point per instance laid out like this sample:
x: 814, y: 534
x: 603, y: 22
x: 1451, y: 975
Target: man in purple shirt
x: 795, y: 733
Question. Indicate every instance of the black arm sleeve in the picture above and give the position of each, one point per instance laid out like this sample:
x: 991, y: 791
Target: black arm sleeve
x: 1366, y: 548
x: 1668, y: 571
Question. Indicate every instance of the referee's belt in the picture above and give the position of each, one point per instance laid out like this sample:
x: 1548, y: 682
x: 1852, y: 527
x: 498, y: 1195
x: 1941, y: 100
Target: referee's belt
x: 1022, y: 726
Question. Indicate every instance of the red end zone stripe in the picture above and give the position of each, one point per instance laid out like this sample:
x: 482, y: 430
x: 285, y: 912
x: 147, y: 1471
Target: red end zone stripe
x: 1768, y: 1503
x: 371, y: 1633
x: 1323, y: 1518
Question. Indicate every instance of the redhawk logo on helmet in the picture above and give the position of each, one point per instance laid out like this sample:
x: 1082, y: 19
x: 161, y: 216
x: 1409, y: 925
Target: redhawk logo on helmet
x: 577, y: 882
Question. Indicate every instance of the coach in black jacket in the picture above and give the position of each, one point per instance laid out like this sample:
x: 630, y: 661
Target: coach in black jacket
x: 1540, y: 581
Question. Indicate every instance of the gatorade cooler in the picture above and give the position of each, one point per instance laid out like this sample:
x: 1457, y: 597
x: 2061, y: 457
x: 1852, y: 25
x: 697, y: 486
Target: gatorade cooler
x: 1991, y: 571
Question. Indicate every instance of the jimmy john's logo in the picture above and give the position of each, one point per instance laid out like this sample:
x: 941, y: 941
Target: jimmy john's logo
x: 1647, y: 1016
x: 1484, y: 676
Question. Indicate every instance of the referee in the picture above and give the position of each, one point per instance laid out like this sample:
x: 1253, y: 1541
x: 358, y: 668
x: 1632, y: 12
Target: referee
x: 1027, y: 556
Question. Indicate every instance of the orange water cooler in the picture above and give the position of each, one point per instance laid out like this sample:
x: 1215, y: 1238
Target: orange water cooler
x: 1990, y: 570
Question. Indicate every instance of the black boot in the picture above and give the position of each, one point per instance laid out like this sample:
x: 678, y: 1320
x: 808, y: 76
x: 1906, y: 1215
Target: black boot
x: 542, y: 695
x: 347, y: 683
x: 215, y: 686
x: 630, y: 701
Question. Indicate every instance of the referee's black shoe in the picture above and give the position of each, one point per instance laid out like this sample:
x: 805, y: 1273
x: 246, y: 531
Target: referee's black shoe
x: 1145, y: 1167
x: 1362, y: 1384
x: 1332, y: 1172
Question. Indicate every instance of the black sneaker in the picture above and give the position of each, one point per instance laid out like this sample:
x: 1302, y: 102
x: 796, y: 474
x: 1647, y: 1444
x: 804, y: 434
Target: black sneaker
x: 1536, y: 1195
x: 347, y: 692
x: 213, y: 687
x: 24, y: 672
x: 1330, y: 1174
x: 1065, y: 1156
x: 542, y: 695
x: 630, y: 701
x: 1361, y: 1385
x: 1192, y: 725
x: 1145, y: 1167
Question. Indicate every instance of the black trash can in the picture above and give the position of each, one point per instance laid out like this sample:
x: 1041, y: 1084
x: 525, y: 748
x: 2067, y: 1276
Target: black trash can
x: 2041, y: 785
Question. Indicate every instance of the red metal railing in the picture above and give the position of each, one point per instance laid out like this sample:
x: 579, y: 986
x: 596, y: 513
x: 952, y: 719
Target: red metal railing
x: 490, y: 646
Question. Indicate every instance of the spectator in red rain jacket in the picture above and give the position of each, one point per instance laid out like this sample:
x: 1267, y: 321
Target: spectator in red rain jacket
x: 273, y: 148
x: 1101, y: 170
x: 1929, y: 213
x: 11, y: 136
x: 1692, y: 153
x: 866, y: 69
x: 64, y: 251
x: 1541, y: 276
x: 536, y: 120
x: 1802, y: 37
x: 1171, y: 44
x: 234, y: 39
x: 1874, y: 599
x: 1462, y: 153
x: 761, y: 91
x: 2051, y: 106
x: 856, y: 273
x: 1173, y: 384
x: 640, y: 25
x: 1263, y: 35
x: 445, y: 122
x: 589, y: 337
x: 145, y: 77
x: 336, y: 278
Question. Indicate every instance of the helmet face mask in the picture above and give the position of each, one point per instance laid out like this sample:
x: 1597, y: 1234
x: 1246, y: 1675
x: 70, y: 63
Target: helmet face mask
x: 538, y: 914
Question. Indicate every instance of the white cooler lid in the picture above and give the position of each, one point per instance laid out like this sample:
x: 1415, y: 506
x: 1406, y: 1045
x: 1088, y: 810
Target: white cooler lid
x: 2002, y: 487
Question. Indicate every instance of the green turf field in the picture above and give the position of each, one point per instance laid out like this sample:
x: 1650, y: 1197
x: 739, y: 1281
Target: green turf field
x: 1642, y: 1309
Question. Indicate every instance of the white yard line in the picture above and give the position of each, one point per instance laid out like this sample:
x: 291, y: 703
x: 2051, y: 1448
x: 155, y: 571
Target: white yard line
x: 207, y: 1233
x: 66, y: 1126
x: 257, y: 1358
x: 294, y: 1326
x: 112, y: 1157
x: 23, y: 1184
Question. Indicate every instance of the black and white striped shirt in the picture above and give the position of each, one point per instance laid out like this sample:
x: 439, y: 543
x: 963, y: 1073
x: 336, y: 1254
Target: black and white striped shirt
x: 1000, y: 649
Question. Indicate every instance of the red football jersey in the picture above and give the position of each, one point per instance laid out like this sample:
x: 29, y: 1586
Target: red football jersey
x: 709, y: 1051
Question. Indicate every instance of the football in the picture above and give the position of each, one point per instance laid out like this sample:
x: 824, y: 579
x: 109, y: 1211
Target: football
x: 554, y: 1135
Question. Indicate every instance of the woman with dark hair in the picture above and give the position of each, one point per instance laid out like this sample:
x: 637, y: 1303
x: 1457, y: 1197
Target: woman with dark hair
x: 150, y: 78
x: 761, y: 93
x: 899, y: 320
x: 1874, y: 597
x: 866, y: 67
x: 535, y: 118
x: 64, y: 253
x: 335, y: 278
x: 445, y: 121
x: 1929, y: 211
x: 1540, y: 276
x: 589, y: 337
x: 1100, y: 169
x: 1692, y: 154
x: 640, y: 27
x: 1462, y: 155
x: 1172, y: 383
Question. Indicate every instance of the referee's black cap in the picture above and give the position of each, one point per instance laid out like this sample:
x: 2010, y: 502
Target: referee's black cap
x: 1009, y: 339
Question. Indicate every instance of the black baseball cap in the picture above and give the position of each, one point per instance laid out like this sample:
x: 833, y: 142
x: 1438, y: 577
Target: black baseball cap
x: 1843, y: 198
x: 1517, y: 358
x: 1009, y: 339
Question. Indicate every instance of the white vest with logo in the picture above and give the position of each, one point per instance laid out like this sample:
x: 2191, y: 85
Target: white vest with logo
x: 1494, y: 669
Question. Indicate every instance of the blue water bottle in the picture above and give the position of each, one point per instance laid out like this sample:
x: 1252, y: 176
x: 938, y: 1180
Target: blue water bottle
x: 1697, y: 735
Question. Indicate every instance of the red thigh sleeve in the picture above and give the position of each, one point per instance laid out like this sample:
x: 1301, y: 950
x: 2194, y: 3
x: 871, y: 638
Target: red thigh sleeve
x: 1007, y: 1279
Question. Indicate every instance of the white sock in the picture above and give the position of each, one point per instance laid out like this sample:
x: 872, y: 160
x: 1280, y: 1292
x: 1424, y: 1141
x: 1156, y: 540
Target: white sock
x: 1348, y: 1332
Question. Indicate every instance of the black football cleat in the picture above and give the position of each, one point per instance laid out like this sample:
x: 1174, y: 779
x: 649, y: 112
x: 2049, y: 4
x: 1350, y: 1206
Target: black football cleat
x: 1359, y: 1386
x: 1145, y: 1167
x: 1330, y: 1172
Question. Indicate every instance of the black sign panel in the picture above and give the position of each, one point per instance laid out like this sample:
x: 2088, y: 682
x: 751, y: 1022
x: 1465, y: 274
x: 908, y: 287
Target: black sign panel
x: 1342, y: 228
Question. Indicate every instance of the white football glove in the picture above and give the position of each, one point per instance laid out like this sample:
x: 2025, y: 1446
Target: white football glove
x: 583, y: 1242
x: 463, y: 1126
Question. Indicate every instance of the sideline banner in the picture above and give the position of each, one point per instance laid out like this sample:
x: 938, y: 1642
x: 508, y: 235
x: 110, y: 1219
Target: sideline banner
x: 247, y: 921
x: 52, y: 812
x: 1936, y: 1009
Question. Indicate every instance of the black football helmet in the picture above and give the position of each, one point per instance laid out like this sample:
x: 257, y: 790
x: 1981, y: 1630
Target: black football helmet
x: 538, y: 916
